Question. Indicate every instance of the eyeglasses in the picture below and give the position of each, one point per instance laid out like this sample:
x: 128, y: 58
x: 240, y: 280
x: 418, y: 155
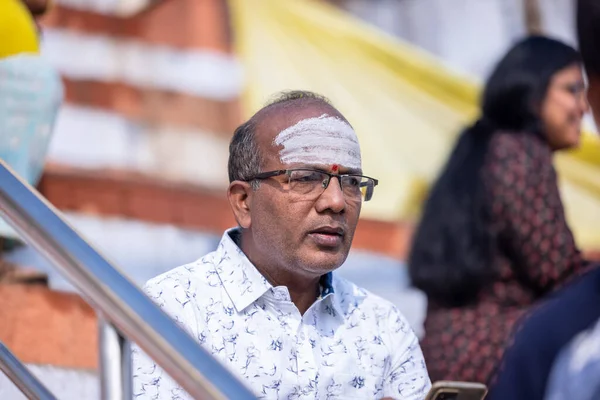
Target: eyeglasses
x: 310, y: 182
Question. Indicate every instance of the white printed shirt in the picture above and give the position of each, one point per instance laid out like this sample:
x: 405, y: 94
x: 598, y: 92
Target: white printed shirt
x: 350, y: 344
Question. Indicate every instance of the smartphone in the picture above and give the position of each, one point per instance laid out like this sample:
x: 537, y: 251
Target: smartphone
x: 450, y: 390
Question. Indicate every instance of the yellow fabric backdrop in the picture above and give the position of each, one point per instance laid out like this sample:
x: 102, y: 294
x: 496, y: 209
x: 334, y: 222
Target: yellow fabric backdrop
x: 406, y: 106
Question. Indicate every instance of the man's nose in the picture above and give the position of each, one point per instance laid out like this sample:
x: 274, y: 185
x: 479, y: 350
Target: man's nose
x: 332, y: 197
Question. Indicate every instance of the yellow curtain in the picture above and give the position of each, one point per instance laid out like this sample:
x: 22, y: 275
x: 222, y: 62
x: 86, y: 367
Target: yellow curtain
x: 405, y: 105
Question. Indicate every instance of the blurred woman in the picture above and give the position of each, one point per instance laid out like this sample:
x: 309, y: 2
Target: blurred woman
x: 493, y: 237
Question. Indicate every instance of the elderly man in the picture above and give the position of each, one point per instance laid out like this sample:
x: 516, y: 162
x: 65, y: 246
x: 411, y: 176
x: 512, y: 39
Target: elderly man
x: 266, y: 303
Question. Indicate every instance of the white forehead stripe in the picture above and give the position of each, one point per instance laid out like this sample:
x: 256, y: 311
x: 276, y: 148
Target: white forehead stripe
x: 320, y: 140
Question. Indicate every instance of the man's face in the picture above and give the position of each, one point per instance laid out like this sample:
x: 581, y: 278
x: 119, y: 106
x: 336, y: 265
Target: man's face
x: 308, y: 234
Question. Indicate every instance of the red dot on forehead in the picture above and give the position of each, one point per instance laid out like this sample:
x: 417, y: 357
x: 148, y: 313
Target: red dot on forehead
x: 335, y: 167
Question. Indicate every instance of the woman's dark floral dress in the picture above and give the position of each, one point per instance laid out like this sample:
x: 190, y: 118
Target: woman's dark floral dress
x: 466, y: 343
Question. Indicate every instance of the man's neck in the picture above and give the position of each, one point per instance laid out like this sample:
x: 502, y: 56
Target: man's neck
x: 303, y: 290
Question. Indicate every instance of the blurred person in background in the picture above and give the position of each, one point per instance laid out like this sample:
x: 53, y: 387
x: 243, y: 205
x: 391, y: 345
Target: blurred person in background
x: 493, y: 238
x: 30, y: 96
x: 555, y: 352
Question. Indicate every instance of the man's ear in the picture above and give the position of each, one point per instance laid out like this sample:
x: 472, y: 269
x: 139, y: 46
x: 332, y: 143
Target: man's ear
x: 239, y: 195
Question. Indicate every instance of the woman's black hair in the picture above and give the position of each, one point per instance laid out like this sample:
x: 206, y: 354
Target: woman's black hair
x: 453, y: 249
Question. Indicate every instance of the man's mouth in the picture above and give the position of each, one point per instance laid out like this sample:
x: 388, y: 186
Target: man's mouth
x: 328, y: 236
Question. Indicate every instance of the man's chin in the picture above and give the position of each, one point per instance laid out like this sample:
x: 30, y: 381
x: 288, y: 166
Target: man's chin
x: 324, y: 262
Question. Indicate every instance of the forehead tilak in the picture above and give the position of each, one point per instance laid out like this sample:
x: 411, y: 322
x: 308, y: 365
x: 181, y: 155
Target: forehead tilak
x: 323, y: 140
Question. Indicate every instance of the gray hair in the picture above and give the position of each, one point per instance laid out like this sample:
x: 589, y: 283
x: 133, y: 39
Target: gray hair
x: 245, y: 159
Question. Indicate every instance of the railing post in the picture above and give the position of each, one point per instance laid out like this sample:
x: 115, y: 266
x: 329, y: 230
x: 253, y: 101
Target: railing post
x: 115, y: 363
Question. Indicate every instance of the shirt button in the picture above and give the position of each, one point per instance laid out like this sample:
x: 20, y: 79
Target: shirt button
x: 302, y: 336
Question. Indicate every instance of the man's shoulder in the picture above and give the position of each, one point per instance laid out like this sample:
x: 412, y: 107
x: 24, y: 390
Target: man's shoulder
x: 368, y: 314
x: 353, y: 296
x: 196, y: 272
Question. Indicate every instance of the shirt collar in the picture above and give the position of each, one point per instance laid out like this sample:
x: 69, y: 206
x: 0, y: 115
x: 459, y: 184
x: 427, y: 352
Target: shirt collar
x: 241, y: 280
x: 326, y: 284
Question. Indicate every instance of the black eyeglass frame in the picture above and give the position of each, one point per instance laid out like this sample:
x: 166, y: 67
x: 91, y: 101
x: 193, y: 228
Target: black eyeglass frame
x: 279, y: 172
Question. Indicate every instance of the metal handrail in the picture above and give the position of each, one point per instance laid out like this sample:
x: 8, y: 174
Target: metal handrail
x: 118, y: 300
x: 22, y: 377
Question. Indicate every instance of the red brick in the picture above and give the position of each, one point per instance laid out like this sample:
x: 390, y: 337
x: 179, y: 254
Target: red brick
x: 45, y: 327
x: 186, y: 24
x: 155, y: 106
